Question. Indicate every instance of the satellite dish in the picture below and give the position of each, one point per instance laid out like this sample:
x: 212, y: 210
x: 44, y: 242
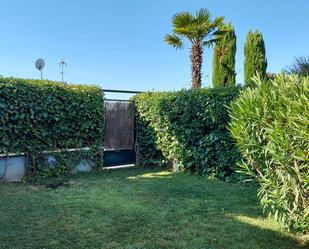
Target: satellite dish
x: 39, y: 65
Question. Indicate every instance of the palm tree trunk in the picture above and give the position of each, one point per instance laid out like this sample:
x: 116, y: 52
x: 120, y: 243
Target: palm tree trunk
x: 196, y: 60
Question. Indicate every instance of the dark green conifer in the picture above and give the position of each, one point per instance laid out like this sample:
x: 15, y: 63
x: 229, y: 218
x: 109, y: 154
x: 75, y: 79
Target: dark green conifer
x: 223, y: 70
x: 255, y: 56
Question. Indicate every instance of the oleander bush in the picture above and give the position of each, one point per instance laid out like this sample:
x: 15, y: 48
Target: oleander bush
x: 40, y: 115
x: 187, y: 130
x: 271, y: 126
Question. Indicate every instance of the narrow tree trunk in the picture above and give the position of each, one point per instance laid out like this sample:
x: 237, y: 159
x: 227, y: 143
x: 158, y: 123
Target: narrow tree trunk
x: 196, y: 60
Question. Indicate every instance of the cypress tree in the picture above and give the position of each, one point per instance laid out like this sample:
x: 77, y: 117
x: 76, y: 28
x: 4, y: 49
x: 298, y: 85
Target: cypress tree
x: 223, y: 63
x: 255, y: 56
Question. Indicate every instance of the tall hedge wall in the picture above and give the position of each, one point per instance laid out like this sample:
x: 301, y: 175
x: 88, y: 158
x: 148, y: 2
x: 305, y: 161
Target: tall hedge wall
x: 187, y: 129
x: 41, y: 115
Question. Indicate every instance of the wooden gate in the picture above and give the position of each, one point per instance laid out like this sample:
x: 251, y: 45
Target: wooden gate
x: 119, y: 133
x: 119, y: 126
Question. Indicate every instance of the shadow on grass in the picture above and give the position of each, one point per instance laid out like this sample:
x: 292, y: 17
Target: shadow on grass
x: 138, y: 208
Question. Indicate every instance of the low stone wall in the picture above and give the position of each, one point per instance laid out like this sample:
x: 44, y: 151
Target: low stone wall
x: 13, y: 167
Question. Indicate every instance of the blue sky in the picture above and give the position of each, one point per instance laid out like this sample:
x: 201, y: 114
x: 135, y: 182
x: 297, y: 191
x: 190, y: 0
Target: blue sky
x: 120, y: 44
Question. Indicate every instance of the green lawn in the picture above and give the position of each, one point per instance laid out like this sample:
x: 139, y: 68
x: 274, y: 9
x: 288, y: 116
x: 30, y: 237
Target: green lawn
x: 138, y: 208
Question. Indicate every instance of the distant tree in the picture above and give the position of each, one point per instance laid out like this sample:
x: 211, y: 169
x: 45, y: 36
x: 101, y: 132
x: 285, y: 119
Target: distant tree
x: 255, y: 56
x: 200, y: 30
x: 300, y: 66
x: 223, y: 65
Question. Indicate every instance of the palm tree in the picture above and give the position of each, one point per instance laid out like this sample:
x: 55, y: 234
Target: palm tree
x: 200, y: 30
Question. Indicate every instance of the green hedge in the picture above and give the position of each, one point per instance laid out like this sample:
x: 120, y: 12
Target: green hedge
x: 271, y: 126
x: 41, y: 115
x: 188, y: 130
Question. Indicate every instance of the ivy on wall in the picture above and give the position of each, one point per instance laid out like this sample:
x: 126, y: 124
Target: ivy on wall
x: 42, y: 115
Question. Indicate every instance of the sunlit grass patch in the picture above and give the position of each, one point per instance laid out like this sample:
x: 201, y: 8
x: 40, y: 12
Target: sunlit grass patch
x: 261, y: 222
x: 269, y: 224
x: 161, y: 174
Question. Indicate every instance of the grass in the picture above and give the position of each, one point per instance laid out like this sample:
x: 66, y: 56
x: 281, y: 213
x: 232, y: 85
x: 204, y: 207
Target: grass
x: 138, y: 208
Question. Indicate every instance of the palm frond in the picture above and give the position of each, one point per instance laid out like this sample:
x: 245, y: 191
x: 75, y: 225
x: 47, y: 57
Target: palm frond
x: 211, y: 42
x: 174, y: 40
x: 206, y: 27
x: 183, y: 19
x: 189, y: 31
x: 218, y: 35
x: 195, y: 27
x: 203, y: 16
x: 217, y: 23
x: 221, y: 32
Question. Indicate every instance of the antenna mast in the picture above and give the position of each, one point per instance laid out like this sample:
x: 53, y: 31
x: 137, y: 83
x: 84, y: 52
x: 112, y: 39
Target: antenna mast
x: 62, y: 64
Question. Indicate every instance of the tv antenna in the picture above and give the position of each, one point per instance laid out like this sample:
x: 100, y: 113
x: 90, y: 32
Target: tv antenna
x: 39, y: 65
x: 62, y: 64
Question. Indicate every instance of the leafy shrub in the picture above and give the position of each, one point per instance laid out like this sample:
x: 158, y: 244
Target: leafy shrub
x: 187, y: 129
x: 271, y: 126
x: 41, y: 115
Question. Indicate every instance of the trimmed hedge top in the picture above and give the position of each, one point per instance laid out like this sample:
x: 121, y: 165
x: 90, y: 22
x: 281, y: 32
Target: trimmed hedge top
x: 187, y: 129
x: 40, y: 115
